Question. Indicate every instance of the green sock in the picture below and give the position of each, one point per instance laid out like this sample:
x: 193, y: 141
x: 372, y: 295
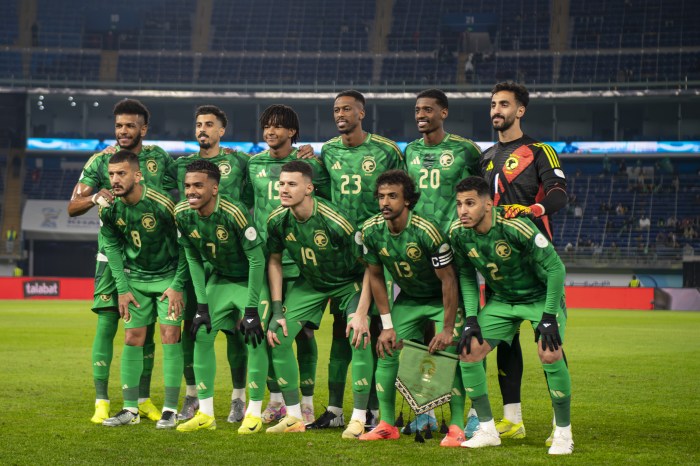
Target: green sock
x: 341, y: 355
x: 387, y: 369
x: 237, y: 355
x: 373, y: 402
x: 205, y: 363
x: 286, y: 367
x: 307, y: 357
x: 149, y: 350
x: 362, y: 364
x: 474, y: 380
x: 559, y: 382
x: 132, y: 366
x: 102, y: 350
x: 458, y: 400
x: 188, y: 356
x: 258, y: 368
x: 173, y: 363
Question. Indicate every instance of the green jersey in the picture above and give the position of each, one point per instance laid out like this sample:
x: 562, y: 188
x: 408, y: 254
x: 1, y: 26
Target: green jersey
x: 326, y: 247
x: 517, y: 262
x: 437, y: 170
x: 140, y: 240
x: 354, y: 171
x: 232, y: 165
x: 262, y: 192
x: 410, y: 256
x: 227, y: 239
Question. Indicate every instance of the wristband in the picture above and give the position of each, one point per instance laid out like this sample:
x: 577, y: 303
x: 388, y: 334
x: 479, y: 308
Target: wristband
x: 386, y: 321
x: 276, y: 307
x: 94, y: 202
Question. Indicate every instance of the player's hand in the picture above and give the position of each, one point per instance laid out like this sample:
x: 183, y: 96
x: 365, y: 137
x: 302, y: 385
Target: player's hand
x: 471, y: 330
x: 251, y: 327
x: 111, y: 150
x: 202, y: 317
x: 548, y: 330
x: 276, y: 322
x: 305, y: 152
x: 175, y: 303
x: 228, y: 150
x: 386, y: 343
x: 360, y: 328
x: 103, y: 198
x: 440, y: 341
x: 124, y: 301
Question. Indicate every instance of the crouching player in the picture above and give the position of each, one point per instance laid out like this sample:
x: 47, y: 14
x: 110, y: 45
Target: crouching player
x: 526, y: 277
x: 419, y: 258
x: 148, y: 267
x: 327, y: 249
x: 217, y: 229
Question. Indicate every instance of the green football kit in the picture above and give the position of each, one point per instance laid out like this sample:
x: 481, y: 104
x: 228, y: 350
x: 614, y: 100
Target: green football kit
x: 526, y: 278
x: 411, y: 257
x: 140, y: 241
x: 326, y: 248
x: 437, y: 170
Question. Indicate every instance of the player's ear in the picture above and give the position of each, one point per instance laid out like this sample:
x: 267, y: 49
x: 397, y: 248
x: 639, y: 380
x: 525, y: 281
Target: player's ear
x: 292, y: 133
x: 521, y: 111
x: 215, y: 189
x: 222, y: 131
x: 138, y: 175
x: 144, y: 130
x: 444, y: 112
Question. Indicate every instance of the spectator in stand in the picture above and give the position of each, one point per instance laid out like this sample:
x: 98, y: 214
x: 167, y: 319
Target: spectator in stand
x: 644, y: 222
x: 578, y: 212
x: 671, y: 222
x: 620, y: 209
x: 689, y: 232
x: 688, y: 250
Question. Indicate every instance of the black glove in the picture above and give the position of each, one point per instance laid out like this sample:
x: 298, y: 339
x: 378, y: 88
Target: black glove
x: 548, y: 329
x: 471, y: 329
x: 251, y: 326
x: 202, y: 317
x: 277, y: 313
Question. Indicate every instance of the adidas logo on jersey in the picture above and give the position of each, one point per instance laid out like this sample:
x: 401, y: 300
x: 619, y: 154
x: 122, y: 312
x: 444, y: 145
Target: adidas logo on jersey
x: 121, y: 223
x: 195, y: 234
x: 415, y: 161
x: 262, y: 174
x: 384, y: 252
x: 473, y: 253
x: 336, y: 166
x: 290, y: 237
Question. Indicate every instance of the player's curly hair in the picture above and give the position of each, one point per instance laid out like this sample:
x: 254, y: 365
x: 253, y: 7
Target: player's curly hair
x: 212, y: 110
x: 132, y: 107
x: 474, y: 183
x: 204, y: 166
x: 283, y: 116
x: 436, y: 94
x: 298, y: 166
x: 357, y: 95
x: 402, y: 178
x: 522, y: 96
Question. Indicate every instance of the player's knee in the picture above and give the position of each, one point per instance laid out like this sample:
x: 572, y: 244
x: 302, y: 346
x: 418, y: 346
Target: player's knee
x: 169, y: 334
x: 477, y: 352
x: 547, y: 356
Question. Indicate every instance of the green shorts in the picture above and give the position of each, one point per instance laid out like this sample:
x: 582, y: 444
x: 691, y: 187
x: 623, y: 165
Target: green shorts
x: 105, y: 294
x: 227, y: 299
x: 306, y: 304
x: 500, y: 321
x: 409, y: 316
x: 148, y: 296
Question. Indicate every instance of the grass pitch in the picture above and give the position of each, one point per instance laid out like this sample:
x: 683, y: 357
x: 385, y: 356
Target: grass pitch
x: 635, y: 381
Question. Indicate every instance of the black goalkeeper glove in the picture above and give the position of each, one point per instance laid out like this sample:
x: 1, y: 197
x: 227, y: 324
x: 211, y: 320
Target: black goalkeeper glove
x: 277, y: 313
x: 202, y: 317
x: 251, y: 326
x: 548, y: 329
x: 471, y: 329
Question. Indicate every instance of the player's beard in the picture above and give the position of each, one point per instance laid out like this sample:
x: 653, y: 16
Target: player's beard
x: 207, y: 144
x: 505, y: 126
x: 134, y: 142
x: 125, y: 192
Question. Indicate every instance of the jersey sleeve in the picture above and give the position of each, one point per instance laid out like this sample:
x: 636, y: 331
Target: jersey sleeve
x: 473, y: 154
x: 256, y: 274
x: 91, y: 175
x: 170, y: 175
x: 468, y: 282
x: 322, y: 181
x: 247, y: 195
x: 194, y: 261
x: 369, y: 252
x: 113, y: 249
x: 275, y: 242
x: 549, y: 167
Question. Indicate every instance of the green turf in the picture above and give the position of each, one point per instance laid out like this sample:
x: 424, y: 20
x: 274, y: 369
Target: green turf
x: 635, y: 383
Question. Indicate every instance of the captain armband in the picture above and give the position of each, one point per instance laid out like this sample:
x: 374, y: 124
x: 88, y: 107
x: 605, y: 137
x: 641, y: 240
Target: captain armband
x: 443, y: 257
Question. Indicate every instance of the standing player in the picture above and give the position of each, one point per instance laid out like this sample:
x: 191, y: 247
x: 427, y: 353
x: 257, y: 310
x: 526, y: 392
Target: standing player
x: 526, y: 179
x: 326, y: 248
x: 217, y: 229
x: 280, y: 126
x: 210, y: 127
x: 131, y: 119
x: 526, y: 279
x: 419, y: 258
x: 354, y: 161
x: 438, y: 161
x: 140, y: 242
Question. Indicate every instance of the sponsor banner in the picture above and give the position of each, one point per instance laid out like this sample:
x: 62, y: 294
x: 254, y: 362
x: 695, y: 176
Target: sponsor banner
x: 42, y: 219
x: 46, y: 288
x: 41, y: 288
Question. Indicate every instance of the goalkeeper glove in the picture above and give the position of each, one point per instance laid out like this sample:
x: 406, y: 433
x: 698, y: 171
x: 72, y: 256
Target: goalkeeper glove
x: 471, y: 329
x: 515, y: 210
x: 277, y: 314
x: 202, y: 317
x: 251, y: 327
x: 548, y: 329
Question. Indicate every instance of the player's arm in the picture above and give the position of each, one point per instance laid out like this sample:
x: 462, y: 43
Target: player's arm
x: 469, y: 285
x: 322, y: 181
x: 358, y: 323
x: 114, y: 249
x: 274, y: 277
x: 83, y: 199
x: 441, y: 257
x: 386, y: 342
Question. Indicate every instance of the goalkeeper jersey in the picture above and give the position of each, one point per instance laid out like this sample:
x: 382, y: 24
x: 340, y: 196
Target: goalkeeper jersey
x: 522, y: 172
x: 354, y: 171
x: 326, y: 247
x: 410, y: 256
x: 518, y: 263
x: 140, y: 240
x: 232, y: 165
x: 437, y: 170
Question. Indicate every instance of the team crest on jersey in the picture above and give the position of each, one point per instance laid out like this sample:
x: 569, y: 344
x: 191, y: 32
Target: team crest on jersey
x: 225, y: 168
x: 502, y: 249
x: 152, y: 166
x: 490, y: 166
x: 148, y: 221
x: 105, y: 297
x: 447, y: 158
x: 413, y: 251
x: 221, y: 233
x: 320, y: 239
x: 369, y: 164
x: 511, y: 164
